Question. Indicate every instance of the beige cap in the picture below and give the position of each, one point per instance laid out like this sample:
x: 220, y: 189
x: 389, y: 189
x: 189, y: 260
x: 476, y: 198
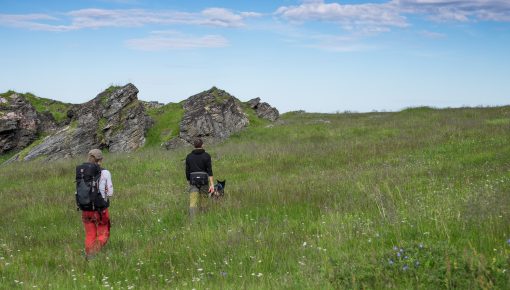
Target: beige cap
x: 96, y: 153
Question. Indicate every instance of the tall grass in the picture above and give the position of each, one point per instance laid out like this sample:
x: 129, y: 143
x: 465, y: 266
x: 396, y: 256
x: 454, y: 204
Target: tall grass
x: 415, y: 199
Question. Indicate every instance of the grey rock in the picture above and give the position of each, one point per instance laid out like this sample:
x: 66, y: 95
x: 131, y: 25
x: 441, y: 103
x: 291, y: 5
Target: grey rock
x: 175, y: 143
x: 114, y: 120
x: 152, y: 105
x: 19, y: 123
x: 212, y: 115
x: 264, y: 110
x: 254, y: 103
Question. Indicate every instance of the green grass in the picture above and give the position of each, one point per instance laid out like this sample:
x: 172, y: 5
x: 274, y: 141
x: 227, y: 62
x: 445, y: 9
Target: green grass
x: 6, y: 156
x: 166, y: 124
x: 408, y: 200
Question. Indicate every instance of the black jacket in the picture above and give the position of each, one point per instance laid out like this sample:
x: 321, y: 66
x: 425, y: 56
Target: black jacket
x: 198, y: 160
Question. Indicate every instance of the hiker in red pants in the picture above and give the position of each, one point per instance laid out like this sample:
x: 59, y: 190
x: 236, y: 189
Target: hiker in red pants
x: 93, y: 189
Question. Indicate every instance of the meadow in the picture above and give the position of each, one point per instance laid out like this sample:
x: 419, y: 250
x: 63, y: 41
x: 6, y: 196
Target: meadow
x: 417, y: 199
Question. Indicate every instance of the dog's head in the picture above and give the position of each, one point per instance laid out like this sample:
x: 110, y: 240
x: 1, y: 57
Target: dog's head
x: 219, y: 188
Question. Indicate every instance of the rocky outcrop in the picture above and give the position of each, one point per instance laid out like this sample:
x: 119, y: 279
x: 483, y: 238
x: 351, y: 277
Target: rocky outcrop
x: 264, y: 110
x: 114, y: 120
x: 152, y: 105
x: 19, y: 123
x: 212, y: 115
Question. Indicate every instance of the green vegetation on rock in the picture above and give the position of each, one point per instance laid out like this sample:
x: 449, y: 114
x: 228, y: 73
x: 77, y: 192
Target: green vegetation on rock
x: 255, y: 121
x: 107, y: 93
x: 100, y: 130
x: 166, y: 124
x: 57, y: 109
x: 23, y: 153
x: 317, y: 201
x: 219, y: 95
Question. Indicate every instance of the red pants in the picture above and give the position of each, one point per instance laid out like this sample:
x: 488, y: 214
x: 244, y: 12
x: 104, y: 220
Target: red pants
x: 97, y: 230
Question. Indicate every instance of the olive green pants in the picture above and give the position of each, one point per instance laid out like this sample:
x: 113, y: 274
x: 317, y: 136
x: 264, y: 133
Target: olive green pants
x: 198, y: 196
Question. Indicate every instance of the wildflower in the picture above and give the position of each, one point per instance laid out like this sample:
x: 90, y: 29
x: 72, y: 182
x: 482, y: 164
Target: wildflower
x: 224, y: 274
x: 405, y: 267
x: 416, y: 264
x: 259, y: 275
x: 420, y: 245
x: 390, y: 261
x: 508, y: 242
x: 395, y: 248
x: 200, y: 269
x: 406, y: 257
x: 398, y: 254
x: 304, y: 244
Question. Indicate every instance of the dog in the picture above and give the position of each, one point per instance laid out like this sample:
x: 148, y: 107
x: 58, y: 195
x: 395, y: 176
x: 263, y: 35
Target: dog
x: 219, y: 189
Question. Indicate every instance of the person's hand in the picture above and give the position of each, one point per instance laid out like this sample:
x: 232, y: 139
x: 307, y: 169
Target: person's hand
x: 211, y: 189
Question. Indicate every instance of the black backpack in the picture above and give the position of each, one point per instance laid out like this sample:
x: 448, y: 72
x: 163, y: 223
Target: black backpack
x: 88, y: 196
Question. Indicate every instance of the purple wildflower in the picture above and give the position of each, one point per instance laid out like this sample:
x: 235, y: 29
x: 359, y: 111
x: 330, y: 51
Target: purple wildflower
x: 405, y: 268
x: 398, y: 254
x: 395, y: 248
x: 508, y: 242
x: 390, y: 261
x: 224, y: 274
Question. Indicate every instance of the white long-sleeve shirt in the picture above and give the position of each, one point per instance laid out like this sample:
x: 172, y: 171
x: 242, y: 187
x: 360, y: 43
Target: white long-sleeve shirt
x: 105, y: 184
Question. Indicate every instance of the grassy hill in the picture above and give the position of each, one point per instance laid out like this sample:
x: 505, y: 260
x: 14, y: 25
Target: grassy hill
x: 406, y: 200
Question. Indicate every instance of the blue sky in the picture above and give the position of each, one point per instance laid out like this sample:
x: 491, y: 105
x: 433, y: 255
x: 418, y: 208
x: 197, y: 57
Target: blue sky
x: 318, y: 55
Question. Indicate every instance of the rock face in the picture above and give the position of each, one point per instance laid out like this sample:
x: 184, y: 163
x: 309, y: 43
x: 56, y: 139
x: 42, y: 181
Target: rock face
x: 212, y: 115
x: 264, y: 110
x: 19, y: 123
x: 114, y: 120
x: 152, y: 105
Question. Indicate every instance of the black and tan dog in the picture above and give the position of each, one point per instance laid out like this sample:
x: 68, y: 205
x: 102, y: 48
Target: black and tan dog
x: 219, y: 189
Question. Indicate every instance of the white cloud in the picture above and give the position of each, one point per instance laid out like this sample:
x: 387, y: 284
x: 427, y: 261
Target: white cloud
x: 168, y: 40
x: 350, y: 16
x: 98, y: 18
x: 392, y: 13
x: 458, y: 10
x: 30, y: 21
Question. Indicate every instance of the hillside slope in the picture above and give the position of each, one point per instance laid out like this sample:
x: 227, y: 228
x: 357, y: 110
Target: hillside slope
x: 414, y: 199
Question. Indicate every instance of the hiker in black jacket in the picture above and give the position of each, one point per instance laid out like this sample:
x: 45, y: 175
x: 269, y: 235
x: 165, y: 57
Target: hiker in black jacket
x: 199, y: 175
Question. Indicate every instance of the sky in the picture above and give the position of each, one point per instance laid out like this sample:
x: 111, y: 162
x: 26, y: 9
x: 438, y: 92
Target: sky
x: 315, y: 55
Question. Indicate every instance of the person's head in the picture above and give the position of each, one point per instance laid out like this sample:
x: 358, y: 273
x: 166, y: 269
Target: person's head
x: 197, y: 143
x: 95, y: 156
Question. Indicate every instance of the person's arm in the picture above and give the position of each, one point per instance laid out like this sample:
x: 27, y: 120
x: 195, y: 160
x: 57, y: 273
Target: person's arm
x: 187, y: 169
x: 109, y: 184
x: 211, y: 184
x: 210, y: 173
x: 105, y: 184
x: 102, y: 183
